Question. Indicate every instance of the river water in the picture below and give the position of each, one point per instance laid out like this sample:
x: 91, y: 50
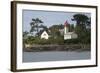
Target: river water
x: 55, y: 56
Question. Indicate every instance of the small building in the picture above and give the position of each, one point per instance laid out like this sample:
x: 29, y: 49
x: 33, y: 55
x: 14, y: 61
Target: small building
x: 70, y: 35
x: 44, y: 35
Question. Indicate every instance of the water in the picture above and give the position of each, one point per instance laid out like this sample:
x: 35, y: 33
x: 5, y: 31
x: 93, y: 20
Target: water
x: 55, y: 56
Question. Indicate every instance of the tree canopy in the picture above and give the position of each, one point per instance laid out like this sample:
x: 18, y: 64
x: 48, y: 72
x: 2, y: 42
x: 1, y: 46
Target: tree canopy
x: 35, y: 25
x: 81, y: 20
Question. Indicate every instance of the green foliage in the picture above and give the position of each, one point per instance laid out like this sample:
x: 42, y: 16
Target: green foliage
x: 71, y: 27
x: 56, y: 40
x: 84, y: 33
x: 25, y: 34
x: 29, y: 40
x: 80, y: 19
x: 55, y: 30
x: 37, y: 40
x: 35, y: 25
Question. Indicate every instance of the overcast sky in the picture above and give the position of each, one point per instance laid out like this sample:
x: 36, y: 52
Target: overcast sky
x: 48, y: 17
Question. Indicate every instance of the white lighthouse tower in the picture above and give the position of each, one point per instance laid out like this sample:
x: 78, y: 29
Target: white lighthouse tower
x: 66, y: 27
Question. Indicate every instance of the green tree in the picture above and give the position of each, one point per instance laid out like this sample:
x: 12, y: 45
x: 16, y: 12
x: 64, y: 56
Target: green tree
x: 81, y: 20
x: 35, y: 25
x: 25, y: 34
x: 71, y: 27
x: 55, y: 30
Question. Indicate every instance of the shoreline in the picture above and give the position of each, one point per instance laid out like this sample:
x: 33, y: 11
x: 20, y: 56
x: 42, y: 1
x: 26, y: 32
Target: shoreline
x: 52, y: 47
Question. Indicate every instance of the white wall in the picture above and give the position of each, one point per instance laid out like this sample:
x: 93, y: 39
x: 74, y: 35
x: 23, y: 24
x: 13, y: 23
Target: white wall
x: 5, y: 37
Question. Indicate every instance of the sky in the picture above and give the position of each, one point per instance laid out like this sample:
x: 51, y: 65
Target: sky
x: 48, y: 17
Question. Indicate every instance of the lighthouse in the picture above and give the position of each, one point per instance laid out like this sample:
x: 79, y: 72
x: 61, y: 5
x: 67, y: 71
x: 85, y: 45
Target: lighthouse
x: 66, y: 27
x: 67, y: 34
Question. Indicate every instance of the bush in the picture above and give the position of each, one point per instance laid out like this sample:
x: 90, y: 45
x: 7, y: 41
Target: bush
x: 38, y: 40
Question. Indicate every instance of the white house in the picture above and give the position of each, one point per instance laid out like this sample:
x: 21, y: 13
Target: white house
x: 44, y: 35
x: 67, y: 34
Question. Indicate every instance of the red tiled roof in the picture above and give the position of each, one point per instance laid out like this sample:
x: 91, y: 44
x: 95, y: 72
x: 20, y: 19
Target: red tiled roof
x: 66, y: 23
